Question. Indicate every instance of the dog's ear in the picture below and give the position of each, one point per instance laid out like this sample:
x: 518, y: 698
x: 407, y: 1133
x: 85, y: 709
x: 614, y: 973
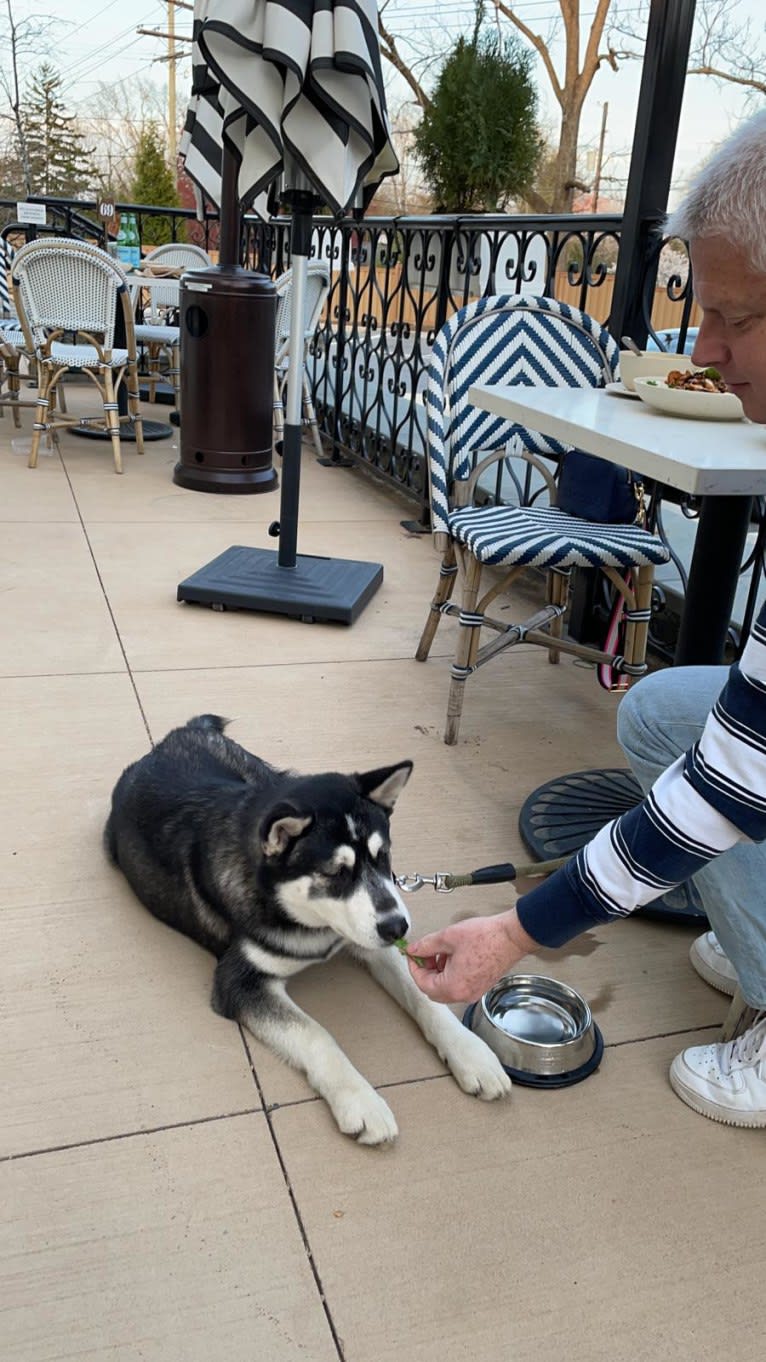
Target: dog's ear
x: 281, y: 826
x: 386, y: 784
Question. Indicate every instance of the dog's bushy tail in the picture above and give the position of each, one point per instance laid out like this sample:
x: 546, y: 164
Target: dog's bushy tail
x: 206, y: 722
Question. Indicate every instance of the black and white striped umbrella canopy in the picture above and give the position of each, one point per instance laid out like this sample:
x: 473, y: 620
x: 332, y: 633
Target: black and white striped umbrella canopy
x: 288, y: 84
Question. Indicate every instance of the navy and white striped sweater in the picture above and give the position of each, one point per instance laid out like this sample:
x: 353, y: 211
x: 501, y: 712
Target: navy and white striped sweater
x: 707, y: 801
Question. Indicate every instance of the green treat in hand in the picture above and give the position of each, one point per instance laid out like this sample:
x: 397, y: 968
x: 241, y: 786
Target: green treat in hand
x: 401, y: 946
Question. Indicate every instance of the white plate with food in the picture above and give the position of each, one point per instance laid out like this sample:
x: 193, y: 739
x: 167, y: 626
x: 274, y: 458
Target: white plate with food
x: 618, y: 389
x: 699, y: 394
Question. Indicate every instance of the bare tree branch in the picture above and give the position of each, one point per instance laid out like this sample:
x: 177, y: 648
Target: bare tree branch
x: 392, y: 54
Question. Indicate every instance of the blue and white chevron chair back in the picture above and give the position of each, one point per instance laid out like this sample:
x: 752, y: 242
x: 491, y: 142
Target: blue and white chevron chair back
x: 6, y: 260
x: 506, y: 339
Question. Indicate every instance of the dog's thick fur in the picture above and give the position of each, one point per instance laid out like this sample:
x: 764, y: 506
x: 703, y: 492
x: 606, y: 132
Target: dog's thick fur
x: 273, y: 871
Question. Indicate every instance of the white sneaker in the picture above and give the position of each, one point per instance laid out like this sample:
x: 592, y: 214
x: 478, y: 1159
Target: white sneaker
x: 712, y: 964
x: 726, y: 1082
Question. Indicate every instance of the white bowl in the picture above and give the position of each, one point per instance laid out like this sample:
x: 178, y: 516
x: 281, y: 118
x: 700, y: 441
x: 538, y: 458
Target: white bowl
x: 655, y: 392
x: 648, y: 363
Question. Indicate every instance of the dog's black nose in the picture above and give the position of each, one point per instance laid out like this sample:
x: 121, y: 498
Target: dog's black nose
x: 392, y: 927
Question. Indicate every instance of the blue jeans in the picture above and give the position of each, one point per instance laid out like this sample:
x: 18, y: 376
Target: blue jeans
x: 658, y: 720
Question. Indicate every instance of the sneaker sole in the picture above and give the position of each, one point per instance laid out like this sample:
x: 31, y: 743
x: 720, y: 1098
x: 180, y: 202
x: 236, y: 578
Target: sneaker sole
x: 710, y: 975
x: 746, y: 1121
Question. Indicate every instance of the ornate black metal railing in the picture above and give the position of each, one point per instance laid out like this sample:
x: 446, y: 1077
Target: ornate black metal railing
x: 394, y: 281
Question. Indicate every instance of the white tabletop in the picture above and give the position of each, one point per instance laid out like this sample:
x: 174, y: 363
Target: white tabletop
x: 705, y: 458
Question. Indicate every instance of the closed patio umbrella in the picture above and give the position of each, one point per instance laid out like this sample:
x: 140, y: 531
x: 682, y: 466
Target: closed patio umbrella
x: 288, y: 100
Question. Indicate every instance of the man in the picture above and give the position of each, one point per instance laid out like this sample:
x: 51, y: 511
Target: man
x: 698, y: 750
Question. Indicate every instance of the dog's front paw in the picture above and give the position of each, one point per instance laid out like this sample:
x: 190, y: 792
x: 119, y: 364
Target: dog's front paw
x: 361, y: 1113
x: 475, y: 1067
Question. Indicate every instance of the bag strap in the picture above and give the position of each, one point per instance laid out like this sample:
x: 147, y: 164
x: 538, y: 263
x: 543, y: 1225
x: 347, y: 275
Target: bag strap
x: 607, y: 676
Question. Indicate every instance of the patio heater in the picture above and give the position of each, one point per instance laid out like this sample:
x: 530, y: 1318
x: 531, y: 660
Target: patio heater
x: 228, y: 317
x: 281, y: 581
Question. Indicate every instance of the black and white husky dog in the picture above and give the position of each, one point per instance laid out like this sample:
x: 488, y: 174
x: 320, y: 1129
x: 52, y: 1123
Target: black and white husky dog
x: 273, y: 871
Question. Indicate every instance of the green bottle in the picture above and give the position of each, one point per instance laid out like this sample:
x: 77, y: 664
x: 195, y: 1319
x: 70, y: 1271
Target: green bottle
x: 123, y: 251
x: 135, y: 243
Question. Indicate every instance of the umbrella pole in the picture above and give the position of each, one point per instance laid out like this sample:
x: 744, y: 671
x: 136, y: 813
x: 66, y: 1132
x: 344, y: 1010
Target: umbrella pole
x: 300, y: 245
x: 228, y: 253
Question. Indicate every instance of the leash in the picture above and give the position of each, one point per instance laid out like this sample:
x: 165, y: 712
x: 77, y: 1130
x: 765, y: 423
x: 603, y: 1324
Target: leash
x: 444, y: 883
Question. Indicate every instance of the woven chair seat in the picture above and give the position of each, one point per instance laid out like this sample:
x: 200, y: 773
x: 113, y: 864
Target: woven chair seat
x: 12, y: 335
x: 85, y: 356
x: 147, y: 332
x: 544, y: 537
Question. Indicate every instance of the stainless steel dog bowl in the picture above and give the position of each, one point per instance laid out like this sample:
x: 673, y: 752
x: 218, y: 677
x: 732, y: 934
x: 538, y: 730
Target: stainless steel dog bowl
x: 542, y: 1031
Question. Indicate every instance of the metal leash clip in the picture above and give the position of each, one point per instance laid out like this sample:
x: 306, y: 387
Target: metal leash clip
x: 411, y: 883
x: 445, y: 883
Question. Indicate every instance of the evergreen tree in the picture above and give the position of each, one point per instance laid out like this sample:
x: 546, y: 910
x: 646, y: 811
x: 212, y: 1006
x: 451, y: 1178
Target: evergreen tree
x: 154, y: 183
x: 478, y: 141
x: 59, y: 161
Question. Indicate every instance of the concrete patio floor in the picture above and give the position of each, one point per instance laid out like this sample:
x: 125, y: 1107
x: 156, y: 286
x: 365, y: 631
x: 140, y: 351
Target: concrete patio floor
x: 170, y: 1192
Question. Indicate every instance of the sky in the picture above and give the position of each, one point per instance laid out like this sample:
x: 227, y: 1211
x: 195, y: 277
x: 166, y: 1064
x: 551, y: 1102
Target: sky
x: 97, y: 43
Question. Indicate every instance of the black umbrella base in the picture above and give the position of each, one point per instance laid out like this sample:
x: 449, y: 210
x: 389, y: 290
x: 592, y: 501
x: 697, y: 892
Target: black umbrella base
x: 164, y: 393
x: 153, y: 430
x: 558, y: 818
x: 316, y: 589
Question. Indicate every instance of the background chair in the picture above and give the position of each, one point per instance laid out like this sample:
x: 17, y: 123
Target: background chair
x: 317, y: 289
x: 534, y: 341
x: 158, y: 331
x: 12, y: 343
x: 67, y: 295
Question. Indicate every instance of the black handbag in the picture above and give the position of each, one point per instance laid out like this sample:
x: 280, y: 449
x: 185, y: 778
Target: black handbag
x: 592, y: 489
x: 608, y: 494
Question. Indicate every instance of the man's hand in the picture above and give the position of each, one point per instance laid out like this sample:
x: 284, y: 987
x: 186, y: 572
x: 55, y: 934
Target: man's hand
x: 463, y: 961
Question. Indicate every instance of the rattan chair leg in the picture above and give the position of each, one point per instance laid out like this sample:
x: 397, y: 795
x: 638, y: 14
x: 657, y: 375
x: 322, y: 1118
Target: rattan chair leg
x: 279, y: 410
x: 154, y: 372
x: 444, y: 588
x: 558, y: 589
x: 175, y: 374
x: 130, y: 379
x: 111, y: 417
x: 10, y: 363
x: 467, y: 646
x: 310, y: 416
x: 637, y: 631
x: 41, y: 414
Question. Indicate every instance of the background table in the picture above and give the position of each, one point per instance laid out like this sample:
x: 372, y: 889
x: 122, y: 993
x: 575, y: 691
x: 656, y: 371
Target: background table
x: 724, y: 462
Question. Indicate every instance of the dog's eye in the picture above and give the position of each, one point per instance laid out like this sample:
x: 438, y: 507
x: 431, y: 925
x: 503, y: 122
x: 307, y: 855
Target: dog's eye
x: 334, y: 871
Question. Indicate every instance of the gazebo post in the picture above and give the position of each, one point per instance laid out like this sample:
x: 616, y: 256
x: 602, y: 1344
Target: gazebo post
x: 666, y: 57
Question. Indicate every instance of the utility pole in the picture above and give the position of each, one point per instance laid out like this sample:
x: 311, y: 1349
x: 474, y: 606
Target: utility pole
x: 599, y: 157
x: 172, y: 115
x: 171, y: 57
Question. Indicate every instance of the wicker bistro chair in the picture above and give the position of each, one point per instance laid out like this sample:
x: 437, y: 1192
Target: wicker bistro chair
x: 534, y: 341
x: 156, y: 333
x: 68, y: 294
x: 317, y: 289
x: 13, y: 346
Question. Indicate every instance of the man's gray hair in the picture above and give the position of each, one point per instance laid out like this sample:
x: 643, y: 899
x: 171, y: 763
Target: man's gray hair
x: 728, y: 195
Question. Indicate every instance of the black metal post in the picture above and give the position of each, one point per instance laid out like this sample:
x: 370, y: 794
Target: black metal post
x: 713, y: 576
x: 666, y: 56
x: 302, y: 206
x: 230, y: 216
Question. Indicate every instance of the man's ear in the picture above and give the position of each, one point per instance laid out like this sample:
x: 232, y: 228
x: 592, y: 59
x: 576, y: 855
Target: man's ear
x: 386, y: 784
x: 280, y: 827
